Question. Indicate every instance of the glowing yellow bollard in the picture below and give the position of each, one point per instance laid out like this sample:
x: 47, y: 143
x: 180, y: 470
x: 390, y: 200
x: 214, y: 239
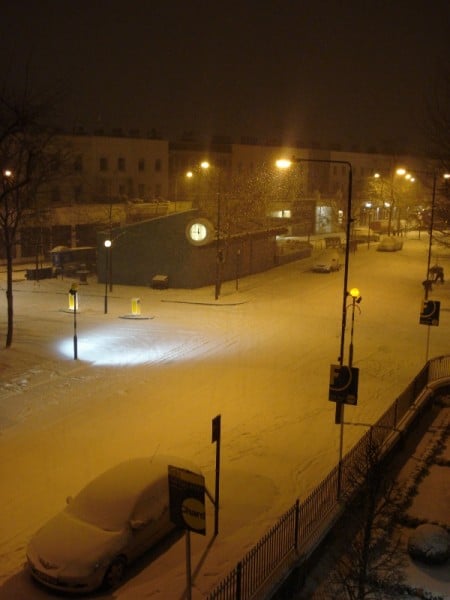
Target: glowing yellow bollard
x: 135, y: 306
x: 73, y: 298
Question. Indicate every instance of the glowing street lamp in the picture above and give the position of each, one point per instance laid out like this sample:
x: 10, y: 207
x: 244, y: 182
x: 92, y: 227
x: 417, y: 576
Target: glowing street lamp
x: 107, y: 244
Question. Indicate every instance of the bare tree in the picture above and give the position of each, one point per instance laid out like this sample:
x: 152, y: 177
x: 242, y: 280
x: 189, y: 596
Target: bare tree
x: 29, y: 159
x: 438, y: 118
x: 438, y: 131
x: 367, y: 562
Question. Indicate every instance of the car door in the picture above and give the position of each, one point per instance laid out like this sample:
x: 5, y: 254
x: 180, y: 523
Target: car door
x: 150, y: 520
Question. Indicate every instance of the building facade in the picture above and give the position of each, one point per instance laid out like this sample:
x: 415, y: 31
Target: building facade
x: 116, y: 180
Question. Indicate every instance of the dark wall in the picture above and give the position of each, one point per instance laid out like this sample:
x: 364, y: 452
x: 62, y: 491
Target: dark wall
x: 160, y: 247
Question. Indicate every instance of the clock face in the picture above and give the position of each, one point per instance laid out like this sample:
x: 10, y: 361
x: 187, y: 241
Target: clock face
x: 199, y: 232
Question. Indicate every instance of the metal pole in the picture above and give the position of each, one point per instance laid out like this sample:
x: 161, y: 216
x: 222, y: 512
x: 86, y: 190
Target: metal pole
x: 216, y: 437
x: 75, y: 339
x: 188, y: 566
x: 110, y: 269
x: 106, y: 278
x: 350, y: 353
x: 218, y: 253
x: 339, y: 414
x: 430, y: 232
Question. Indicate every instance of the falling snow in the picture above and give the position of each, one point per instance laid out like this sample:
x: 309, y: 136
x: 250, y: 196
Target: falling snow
x: 259, y: 356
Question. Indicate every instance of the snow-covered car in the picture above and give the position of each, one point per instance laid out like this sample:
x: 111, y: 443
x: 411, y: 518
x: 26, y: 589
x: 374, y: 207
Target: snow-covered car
x: 327, y: 262
x: 390, y: 244
x: 112, y: 521
x: 364, y: 234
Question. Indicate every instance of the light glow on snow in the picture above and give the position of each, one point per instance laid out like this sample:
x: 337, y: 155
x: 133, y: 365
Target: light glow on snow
x: 115, y: 347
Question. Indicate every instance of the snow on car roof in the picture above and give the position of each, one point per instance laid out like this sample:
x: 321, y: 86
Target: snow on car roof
x: 109, y: 499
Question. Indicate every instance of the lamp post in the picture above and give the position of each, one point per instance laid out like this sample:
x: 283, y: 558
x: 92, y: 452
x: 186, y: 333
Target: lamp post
x: 186, y: 175
x: 430, y: 230
x: 107, y: 244
x: 74, y: 293
x: 284, y: 164
x: 219, y: 252
x: 356, y: 299
x: 205, y: 165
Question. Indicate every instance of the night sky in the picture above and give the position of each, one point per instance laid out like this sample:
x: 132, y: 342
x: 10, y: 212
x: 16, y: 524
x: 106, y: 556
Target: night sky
x: 348, y: 72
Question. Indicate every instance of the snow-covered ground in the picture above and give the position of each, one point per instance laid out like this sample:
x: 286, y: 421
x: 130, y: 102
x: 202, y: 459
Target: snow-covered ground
x: 260, y: 357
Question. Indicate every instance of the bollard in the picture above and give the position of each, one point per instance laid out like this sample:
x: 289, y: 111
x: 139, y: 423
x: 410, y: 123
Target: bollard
x: 73, y: 298
x: 135, y: 306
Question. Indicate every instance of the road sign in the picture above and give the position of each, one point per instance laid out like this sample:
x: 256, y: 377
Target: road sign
x: 429, y: 314
x: 343, y: 384
x: 187, y: 499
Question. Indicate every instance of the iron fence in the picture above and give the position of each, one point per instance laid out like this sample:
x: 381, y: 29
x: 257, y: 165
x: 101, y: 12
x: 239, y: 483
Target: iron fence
x: 304, y: 524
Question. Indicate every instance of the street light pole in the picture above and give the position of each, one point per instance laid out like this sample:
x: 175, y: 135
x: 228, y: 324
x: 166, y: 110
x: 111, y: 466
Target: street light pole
x: 218, y: 251
x: 430, y: 231
x: 107, y: 244
x: 339, y: 406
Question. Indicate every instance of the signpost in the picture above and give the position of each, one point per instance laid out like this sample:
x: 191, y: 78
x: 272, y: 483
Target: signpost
x: 187, y: 508
x: 215, y: 437
x: 429, y: 315
x: 343, y: 384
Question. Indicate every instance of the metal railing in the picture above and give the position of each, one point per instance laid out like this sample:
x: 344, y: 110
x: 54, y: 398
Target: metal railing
x: 300, y: 530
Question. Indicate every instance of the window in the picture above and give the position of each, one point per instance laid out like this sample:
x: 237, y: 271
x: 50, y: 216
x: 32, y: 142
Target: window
x: 103, y: 164
x: 158, y: 164
x: 121, y: 164
x: 141, y: 164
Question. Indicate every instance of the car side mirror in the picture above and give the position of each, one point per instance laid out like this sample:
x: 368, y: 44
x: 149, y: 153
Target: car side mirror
x: 69, y: 499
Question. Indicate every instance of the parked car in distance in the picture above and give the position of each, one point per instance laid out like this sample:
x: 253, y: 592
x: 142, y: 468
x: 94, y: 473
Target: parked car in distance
x: 117, y: 517
x: 327, y: 262
x: 390, y: 244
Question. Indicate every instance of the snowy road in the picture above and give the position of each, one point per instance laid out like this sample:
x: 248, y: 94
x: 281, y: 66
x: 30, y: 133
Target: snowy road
x: 260, y: 359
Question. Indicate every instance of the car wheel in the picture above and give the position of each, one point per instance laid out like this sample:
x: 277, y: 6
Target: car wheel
x: 115, y: 574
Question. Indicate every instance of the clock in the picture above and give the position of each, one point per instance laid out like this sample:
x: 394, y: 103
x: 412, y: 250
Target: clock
x: 199, y: 232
